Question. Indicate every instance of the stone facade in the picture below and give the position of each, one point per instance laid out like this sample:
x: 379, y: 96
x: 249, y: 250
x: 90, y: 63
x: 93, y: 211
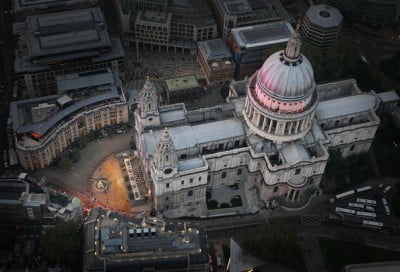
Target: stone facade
x: 274, y: 149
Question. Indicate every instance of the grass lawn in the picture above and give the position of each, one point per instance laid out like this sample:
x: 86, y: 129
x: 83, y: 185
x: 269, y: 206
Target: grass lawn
x: 339, y: 253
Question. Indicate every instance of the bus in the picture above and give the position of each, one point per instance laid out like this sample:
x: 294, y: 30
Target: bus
x: 344, y: 194
x: 366, y: 201
x: 345, y: 211
x: 356, y: 205
x: 366, y: 214
x: 363, y: 189
x: 372, y: 224
x: 387, y: 210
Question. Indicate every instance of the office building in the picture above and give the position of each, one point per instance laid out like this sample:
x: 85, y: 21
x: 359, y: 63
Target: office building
x: 321, y: 26
x: 19, y: 203
x: 239, y: 13
x: 117, y: 243
x: 216, y: 61
x: 369, y: 12
x: 166, y: 24
x: 182, y: 89
x: 250, y: 44
x: 61, y: 43
x: 24, y: 8
x: 85, y: 102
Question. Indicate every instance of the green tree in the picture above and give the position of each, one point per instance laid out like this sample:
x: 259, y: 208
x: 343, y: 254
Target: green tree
x: 334, y: 164
x: 64, y: 164
x: 82, y: 141
x: 75, y: 154
x: 275, y: 244
x: 61, y: 244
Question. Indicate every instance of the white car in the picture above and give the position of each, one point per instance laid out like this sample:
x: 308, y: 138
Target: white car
x: 387, y: 189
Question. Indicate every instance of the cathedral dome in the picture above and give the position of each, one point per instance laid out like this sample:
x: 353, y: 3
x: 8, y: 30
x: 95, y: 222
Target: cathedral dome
x: 285, y: 78
x: 287, y: 74
x: 282, y: 96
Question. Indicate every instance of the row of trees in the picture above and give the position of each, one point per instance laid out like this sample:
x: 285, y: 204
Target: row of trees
x: 276, y: 244
x: 346, y: 172
x: 62, y: 245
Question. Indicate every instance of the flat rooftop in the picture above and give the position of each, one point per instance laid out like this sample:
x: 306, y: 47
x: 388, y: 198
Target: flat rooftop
x: 20, y: 110
x: 192, y: 163
x: 23, y: 5
x: 215, y: 49
x: 389, y: 96
x: 345, y: 106
x: 373, y: 267
x: 262, y: 34
x: 324, y: 16
x: 120, y: 242
x: 68, y: 31
x: 83, y: 80
x: 181, y: 83
x: 250, y: 10
x: 189, y: 136
x: 64, y: 36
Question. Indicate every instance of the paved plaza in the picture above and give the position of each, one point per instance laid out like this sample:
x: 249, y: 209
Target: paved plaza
x: 116, y: 195
x: 76, y: 182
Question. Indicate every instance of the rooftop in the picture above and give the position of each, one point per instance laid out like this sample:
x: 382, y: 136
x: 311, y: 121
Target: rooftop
x: 11, y: 189
x: 83, y: 80
x: 189, y: 136
x: 189, y: 164
x: 294, y: 153
x: 389, y: 96
x: 153, y: 17
x: 172, y: 116
x: 262, y: 34
x: 23, y: 5
x: 345, y: 106
x: 324, y: 15
x: 215, y: 49
x: 20, y: 110
x: 373, y: 267
x: 181, y: 83
x: 55, y: 37
x: 251, y: 10
x: 117, y: 241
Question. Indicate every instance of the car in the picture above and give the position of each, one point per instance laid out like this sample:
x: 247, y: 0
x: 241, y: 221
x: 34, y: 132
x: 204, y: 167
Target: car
x: 219, y: 261
x: 380, y: 186
x: 387, y: 189
x: 369, y: 209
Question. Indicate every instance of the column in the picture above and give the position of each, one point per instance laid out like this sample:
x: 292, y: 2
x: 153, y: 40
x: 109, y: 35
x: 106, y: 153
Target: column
x: 294, y: 195
x: 296, y: 130
x: 264, y: 123
x: 290, y: 128
x: 289, y: 195
x: 270, y: 125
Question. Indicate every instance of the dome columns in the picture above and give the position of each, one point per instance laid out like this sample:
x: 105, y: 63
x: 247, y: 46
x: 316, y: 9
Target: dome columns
x: 276, y: 129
